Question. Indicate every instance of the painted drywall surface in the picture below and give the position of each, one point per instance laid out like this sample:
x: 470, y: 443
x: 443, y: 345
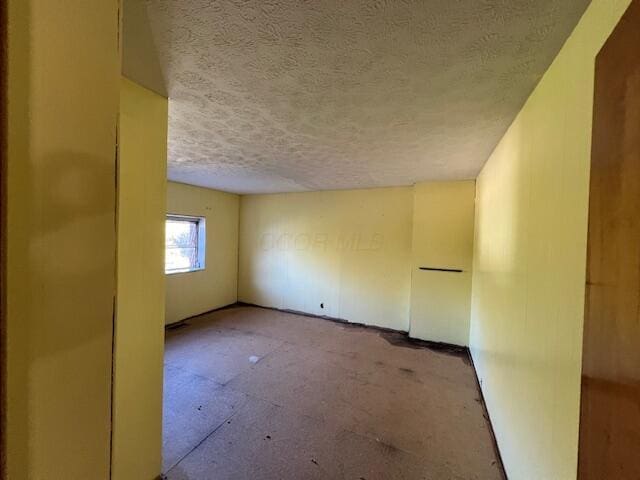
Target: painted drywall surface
x: 348, y: 250
x: 139, y: 56
x: 443, y: 215
x: 139, y: 327
x: 64, y: 74
x: 216, y: 286
x: 529, y: 262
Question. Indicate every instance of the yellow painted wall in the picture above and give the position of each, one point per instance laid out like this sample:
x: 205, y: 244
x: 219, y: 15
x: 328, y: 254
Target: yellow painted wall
x: 139, y: 328
x: 216, y: 286
x: 350, y: 250
x: 64, y: 79
x: 443, y: 215
x: 529, y: 262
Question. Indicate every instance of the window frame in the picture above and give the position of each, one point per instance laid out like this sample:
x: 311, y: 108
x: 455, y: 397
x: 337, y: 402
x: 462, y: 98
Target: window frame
x: 201, y: 242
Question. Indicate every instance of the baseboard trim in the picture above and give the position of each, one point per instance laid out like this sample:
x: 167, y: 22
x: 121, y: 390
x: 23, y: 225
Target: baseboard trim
x: 322, y: 317
x: 487, y: 417
x: 180, y: 323
x: 396, y: 337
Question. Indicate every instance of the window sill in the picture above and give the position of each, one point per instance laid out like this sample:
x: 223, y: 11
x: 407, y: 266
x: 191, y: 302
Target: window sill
x: 178, y: 272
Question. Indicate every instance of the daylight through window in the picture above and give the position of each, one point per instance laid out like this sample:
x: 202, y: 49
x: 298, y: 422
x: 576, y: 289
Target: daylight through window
x: 185, y: 244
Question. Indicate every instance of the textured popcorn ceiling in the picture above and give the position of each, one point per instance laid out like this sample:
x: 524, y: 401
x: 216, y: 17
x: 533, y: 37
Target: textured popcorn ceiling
x: 285, y: 95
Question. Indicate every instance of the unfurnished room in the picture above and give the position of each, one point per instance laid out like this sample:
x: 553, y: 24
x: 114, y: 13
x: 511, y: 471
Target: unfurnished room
x: 320, y: 239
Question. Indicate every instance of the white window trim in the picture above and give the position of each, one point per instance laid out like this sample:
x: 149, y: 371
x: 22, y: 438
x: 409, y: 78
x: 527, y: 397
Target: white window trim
x: 202, y: 242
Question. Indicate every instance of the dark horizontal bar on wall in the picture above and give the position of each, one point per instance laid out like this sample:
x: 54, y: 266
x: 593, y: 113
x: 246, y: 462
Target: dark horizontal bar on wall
x: 450, y: 270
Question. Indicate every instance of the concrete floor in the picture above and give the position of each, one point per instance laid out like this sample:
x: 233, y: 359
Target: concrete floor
x: 255, y: 394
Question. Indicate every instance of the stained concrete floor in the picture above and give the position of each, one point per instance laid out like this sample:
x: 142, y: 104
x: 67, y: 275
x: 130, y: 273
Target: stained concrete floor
x: 258, y: 394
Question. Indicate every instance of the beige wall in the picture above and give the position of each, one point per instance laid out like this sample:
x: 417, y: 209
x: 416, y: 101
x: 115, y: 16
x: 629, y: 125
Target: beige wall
x: 64, y: 78
x: 529, y: 262
x: 139, y: 328
x: 443, y: 214
x: 349, y: 250
x: 216, y: 286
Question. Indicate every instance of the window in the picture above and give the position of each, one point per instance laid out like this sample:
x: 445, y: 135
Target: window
x: 184, y: 244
